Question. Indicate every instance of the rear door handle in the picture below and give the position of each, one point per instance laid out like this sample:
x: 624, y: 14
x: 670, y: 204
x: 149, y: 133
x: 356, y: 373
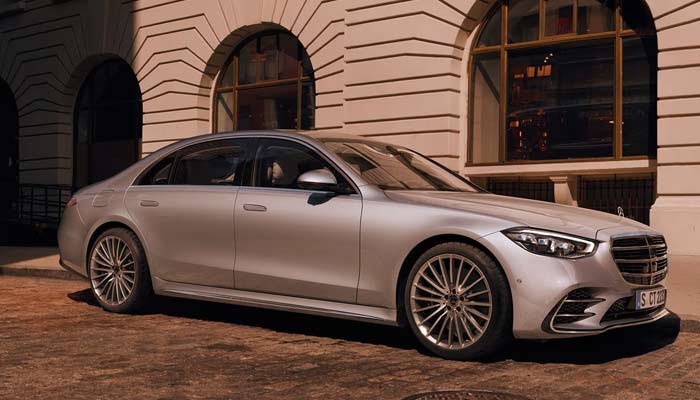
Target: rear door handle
x: 254, y: 207
x: 149, y: 203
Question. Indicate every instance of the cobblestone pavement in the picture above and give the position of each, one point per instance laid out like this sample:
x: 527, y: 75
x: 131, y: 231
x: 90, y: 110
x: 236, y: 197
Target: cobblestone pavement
x: 56, y: 343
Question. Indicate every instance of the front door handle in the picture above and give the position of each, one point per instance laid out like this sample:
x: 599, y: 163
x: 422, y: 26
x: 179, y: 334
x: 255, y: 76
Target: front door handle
x: 149, y: 203
x: 254, y: 207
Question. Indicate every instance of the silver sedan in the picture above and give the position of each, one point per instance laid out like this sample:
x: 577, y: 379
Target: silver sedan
x: 342, y: 226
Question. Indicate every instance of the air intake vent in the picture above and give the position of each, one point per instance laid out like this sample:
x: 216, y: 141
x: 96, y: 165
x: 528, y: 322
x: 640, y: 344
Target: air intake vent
x: 573, y: 308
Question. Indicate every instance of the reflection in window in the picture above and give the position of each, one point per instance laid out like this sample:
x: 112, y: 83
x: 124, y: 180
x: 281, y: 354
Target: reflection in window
x: 491, y: 34
x: 595, y: 16
x: 281, y: 163
x: 214, y: 163
x: 639, y: 92
x: 523, y: 20
x: 267, y: 84
x: 559, y: 17
x: 486, y: 100
x: 560, y: 103
x: 550, y: 92
x: 392, y: 167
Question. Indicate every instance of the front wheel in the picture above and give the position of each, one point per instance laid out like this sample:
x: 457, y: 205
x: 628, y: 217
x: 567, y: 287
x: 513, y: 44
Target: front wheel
x: 118, y: 272
x: 458, y: 303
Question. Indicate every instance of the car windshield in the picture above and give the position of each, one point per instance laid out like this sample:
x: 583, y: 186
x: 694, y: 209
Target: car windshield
x: 397, y: 168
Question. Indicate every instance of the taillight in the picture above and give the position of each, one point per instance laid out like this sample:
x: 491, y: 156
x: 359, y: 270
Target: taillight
x: 71, y: 202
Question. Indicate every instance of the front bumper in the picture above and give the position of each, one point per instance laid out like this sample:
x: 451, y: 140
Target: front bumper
x: 540, y: 285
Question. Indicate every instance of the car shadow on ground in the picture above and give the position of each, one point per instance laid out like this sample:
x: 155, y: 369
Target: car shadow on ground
x: 609, y: 346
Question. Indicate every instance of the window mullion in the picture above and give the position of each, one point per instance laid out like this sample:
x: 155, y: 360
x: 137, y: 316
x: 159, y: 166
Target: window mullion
x: 234, y: 93
x: 540, y: 33
x: 300, y: 72
x: 504, y: 78
x: 619, y: 110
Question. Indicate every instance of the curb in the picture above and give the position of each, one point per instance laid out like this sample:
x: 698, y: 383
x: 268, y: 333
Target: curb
x: 690, y: 323
x: 53, y: 273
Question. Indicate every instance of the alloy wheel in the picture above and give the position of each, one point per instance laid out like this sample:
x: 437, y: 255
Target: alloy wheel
x: 112, y: 270
x: 451, y: 301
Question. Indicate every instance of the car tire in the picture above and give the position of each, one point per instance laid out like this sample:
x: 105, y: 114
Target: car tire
x: 463, y: 316
x: 118, y: 272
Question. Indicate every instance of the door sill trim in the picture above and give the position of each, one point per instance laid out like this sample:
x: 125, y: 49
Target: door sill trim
x: 355, y: 312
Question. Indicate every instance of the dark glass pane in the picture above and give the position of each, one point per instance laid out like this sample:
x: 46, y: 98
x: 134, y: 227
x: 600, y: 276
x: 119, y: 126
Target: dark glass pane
x: 115, y: 122
x: 215, y: 163
x: 109, y: 158
x: 159, y: 174
x: 288, y: 56
x: 523, y: 20
x: 393, y: 167
x: 595, y: 16
x: 560, y: 102
x: 268, y: 57
x: 485, y: 108
x: 308, y: 105
x: 109, y: 122
x: 248, y: 63
x: 281, y: 162
x: 639, y: 96
x: 559, y: 17
x: 491, y: 34
x: 83, y: 127
x: 637, y: 16
x: 113, y: 82
x: 226, y: 76
x: 307, y: 69
x: 224, y: 112
x: 267, y: 108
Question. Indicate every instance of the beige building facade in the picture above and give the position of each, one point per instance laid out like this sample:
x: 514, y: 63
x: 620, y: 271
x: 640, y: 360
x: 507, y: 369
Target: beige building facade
x: 462, y: 81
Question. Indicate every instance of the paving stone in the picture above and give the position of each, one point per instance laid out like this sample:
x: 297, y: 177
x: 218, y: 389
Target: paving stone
x: 55, y: 343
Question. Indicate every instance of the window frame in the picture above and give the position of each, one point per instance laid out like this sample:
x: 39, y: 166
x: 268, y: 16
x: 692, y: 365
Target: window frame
x: 176, y: 155
x: 262, y: 142
x: 502, y: 51
x: 233, y: 62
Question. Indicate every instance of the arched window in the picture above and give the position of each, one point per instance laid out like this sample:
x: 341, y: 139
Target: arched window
x: 108, y: 120
x: 563, y: 79
x: 266, y: 84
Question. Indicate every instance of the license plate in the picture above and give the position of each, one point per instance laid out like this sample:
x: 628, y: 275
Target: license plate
x: 650, y: 298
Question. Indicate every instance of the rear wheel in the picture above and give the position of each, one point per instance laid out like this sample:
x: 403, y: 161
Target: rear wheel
x: 118, y: 272
x: 458, y: 303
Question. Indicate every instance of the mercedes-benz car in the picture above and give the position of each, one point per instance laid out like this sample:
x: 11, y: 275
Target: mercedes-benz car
x: 344, y: 226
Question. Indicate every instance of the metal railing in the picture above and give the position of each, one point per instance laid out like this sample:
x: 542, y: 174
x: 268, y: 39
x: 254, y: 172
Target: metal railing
x: 525, y: 188
x: 634, y: 194
x: 33, y: 204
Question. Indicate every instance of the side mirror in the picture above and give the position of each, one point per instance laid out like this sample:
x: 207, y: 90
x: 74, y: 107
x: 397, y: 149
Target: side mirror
x: 318, y: 179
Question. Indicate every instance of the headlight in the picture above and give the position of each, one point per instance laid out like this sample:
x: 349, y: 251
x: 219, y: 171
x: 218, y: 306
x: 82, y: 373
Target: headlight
x: 551, y: 243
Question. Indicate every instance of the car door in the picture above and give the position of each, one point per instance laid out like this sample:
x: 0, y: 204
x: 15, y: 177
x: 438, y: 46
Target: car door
x: 184, y: 206
x: 292, y: 241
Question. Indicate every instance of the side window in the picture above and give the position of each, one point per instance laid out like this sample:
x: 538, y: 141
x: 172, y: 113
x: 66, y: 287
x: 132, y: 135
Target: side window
x: 213, y: 163
x: 281, y: 162
x: 159, y: 173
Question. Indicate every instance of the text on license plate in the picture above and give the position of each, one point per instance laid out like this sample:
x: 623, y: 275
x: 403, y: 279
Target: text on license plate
x: 650, y: 298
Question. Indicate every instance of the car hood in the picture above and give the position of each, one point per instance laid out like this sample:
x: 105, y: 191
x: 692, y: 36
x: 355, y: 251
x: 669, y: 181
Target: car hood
x: 522, y: 212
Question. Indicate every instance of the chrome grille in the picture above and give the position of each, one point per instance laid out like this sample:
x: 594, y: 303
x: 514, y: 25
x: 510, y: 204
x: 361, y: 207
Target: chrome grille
x: 642, y: 260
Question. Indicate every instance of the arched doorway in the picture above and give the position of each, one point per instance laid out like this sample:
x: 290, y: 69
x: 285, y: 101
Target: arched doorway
x: 108, y: 122
x: 9, y: 150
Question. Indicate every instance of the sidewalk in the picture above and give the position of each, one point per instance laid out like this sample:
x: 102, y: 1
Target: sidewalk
x: 683, y: 282
x: 33, y: 261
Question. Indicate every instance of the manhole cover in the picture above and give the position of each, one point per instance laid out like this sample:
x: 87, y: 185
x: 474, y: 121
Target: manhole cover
x: 465, y: 395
